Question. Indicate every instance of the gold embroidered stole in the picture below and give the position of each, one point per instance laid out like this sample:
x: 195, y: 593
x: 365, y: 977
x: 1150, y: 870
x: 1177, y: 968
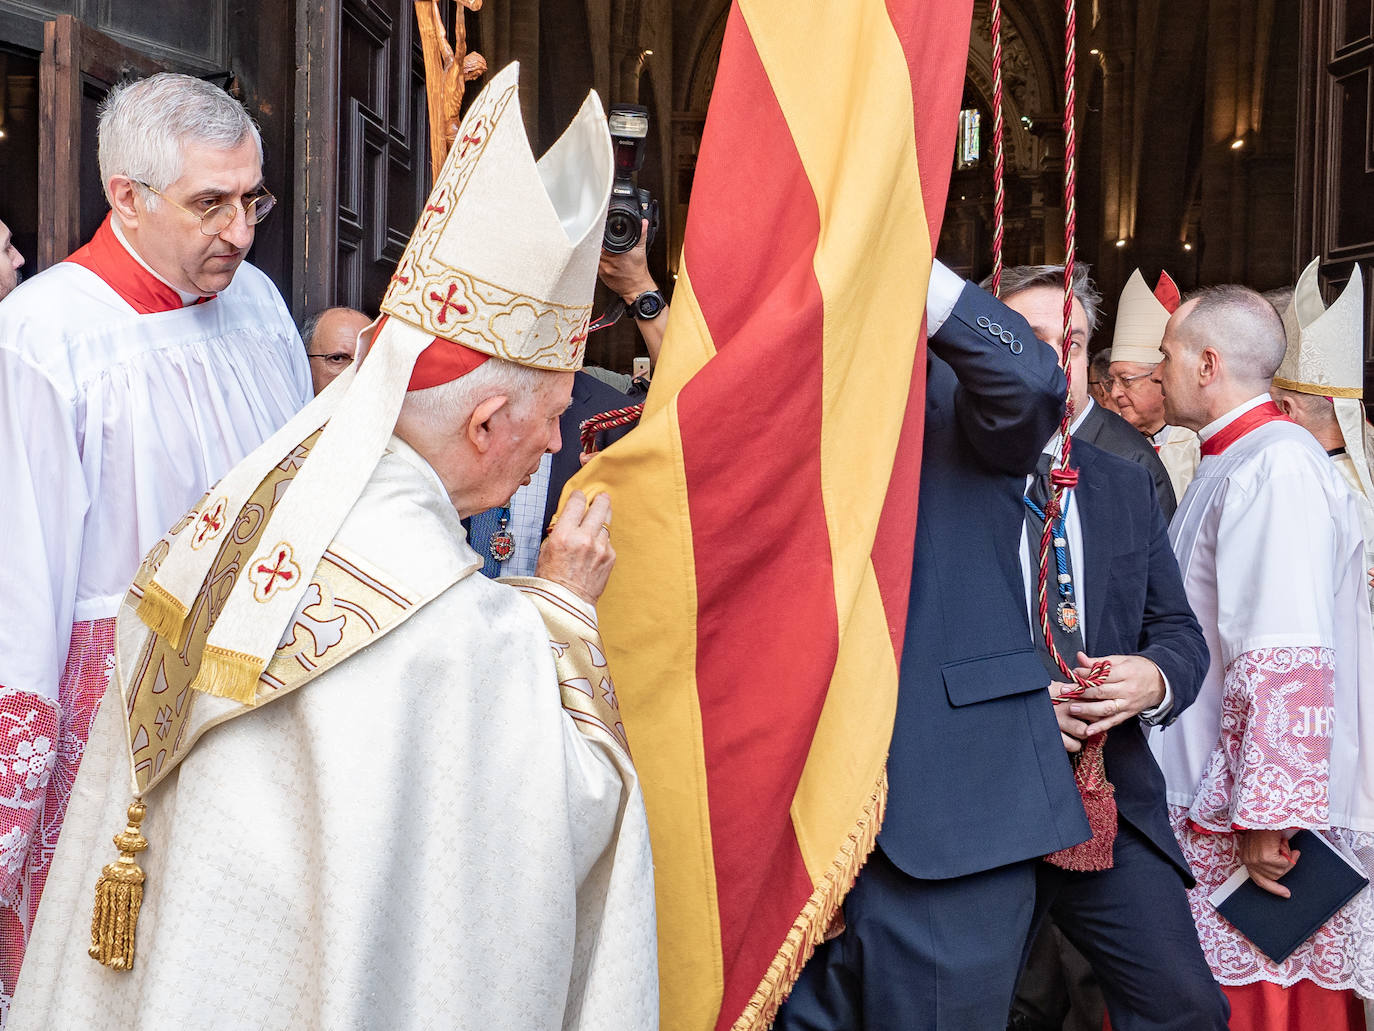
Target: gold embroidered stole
x: 584, y: 678
x: 346, y: 606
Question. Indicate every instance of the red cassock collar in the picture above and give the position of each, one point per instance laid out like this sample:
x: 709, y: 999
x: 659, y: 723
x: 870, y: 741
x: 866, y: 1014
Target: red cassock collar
x: 111, y: 261
x: 1251, y: 420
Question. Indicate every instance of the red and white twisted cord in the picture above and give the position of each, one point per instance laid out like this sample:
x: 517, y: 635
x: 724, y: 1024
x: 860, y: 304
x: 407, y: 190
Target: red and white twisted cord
x: 616, y: 417
x: 1063, y: 477
x: 998, y: 151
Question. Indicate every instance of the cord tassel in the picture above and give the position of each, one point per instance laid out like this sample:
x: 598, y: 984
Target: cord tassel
x: 118, y: 896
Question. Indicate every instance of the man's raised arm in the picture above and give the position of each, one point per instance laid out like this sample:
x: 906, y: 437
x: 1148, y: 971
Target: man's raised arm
x: 1011, y: 390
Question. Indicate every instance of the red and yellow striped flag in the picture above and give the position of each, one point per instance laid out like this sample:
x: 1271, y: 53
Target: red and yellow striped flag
x: 765, y: 507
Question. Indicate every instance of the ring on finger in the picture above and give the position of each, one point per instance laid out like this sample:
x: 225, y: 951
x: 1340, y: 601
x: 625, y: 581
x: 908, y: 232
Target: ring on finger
x: 607, y: 528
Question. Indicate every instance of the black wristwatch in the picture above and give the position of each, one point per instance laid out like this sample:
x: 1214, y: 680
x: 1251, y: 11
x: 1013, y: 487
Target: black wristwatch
x: 647, y: 305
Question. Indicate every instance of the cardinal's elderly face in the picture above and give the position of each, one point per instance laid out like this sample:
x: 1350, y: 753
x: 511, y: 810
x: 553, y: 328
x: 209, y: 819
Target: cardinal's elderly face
x: 522, y: 432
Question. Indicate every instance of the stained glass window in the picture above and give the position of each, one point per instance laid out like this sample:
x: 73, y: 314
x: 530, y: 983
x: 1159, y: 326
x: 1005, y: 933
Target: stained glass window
x: 969, y: 138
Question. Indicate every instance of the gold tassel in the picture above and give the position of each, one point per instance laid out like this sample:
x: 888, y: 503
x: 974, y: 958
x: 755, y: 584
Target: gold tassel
x: 163, y: 614
x: 118, y: 896
x: 229, y: 674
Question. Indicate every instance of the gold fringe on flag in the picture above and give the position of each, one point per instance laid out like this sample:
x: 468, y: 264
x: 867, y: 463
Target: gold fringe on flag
x: 229, y: 674
x: 817, y: 917
x: 118, y: 896
x: 163, y: 614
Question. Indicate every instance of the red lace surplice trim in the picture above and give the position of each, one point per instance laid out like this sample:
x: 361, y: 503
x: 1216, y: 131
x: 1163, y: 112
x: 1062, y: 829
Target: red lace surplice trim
x: 1338, y: 956
x: 1270, y: 766
x: 41, y: 745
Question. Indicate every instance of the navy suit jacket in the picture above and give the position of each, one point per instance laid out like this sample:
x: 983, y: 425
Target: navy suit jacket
x: 1111, y: 433
x: 590, y: 396
x: 978, y: 776
x: 1135, y: 603
x: 977, y: 772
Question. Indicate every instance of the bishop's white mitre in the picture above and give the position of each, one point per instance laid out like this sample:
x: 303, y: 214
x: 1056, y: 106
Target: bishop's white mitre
x: 1141, y: 315
x: 502, y: 264
x: 1325, y: 356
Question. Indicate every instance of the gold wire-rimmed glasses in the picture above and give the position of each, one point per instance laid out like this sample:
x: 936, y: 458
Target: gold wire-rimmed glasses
x: 1126, y: 382
x: 217, y: 219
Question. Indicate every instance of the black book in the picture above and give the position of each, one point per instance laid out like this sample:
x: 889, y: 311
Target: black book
x: 1322, y: 881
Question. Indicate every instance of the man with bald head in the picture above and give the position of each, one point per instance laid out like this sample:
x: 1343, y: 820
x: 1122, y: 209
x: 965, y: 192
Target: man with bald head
x: 331, y: 343
x: 1269, y: 542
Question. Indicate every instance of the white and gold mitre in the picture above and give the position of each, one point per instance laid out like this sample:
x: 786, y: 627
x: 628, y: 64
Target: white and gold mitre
x: 1325, y: 353
x: 502, y: 264
x: 1141, y: 315
x: 504, y: 258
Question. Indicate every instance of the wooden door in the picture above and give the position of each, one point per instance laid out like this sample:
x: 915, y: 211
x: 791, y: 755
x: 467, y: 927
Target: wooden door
x: 78, y: 67
x: 363, y: 140
x: 1335, y: 185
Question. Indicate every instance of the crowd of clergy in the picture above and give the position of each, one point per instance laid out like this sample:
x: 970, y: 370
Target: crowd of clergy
x: 198, y: 499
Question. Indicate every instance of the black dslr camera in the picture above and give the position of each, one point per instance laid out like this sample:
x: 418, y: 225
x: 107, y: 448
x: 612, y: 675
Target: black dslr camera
x: 629, y: 125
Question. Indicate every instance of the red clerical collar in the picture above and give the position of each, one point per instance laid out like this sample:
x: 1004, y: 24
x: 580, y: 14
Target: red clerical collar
x: 111, y: 261
x: 1251, y: 420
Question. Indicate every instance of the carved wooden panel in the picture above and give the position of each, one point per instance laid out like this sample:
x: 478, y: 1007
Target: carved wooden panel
x: 382, y: 172
x: 362, y: 137
x: 1336, y: 159
x: 189, y: 36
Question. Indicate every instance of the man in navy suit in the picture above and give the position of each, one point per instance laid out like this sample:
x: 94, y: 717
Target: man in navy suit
x: 980, y: 783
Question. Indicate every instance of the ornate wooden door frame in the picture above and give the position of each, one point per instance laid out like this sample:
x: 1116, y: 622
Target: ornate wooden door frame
x: 1336, y: 151
x: 75, y: 58
x: 362, y: 159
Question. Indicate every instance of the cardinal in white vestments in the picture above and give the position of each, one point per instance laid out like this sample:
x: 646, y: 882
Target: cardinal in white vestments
x: 1320, y: 384
x: 1141, y: 315
x: 375, y: 789
x: 1269, y: 541
x: 132, y: 376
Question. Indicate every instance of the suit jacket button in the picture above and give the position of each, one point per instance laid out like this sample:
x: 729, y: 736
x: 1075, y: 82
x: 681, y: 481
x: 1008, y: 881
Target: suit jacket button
x: 1007, y: 336
x: 1016, y: 347
x: 983, y: 322
x: 995, y: 329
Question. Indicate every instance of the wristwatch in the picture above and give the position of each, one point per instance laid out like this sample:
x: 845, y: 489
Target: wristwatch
x: 647, y: 305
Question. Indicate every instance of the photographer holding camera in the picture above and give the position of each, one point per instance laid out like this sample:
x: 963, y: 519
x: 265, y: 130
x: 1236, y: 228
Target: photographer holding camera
x: 631, y: 225
x: 627, y: 275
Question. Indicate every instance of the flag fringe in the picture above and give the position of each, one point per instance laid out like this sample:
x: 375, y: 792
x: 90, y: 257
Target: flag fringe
x: 817, y: 916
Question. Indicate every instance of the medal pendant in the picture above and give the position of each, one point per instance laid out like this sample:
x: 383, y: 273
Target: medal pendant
x: 1067, y: 615
x: 502, y: 545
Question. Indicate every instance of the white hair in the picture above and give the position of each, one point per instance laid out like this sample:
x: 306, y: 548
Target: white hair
x: 450, y: 404
x: 145, y: 126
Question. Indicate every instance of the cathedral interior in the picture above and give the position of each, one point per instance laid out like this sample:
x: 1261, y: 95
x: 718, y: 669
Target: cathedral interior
x: 1218, y: 140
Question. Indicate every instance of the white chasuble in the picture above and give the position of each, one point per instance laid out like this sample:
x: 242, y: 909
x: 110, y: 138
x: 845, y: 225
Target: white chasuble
x: 1270, y: 546
x: 1177, y: 447
x: 1345, y: 465
x: 431, y: 833
x: 112, y: 423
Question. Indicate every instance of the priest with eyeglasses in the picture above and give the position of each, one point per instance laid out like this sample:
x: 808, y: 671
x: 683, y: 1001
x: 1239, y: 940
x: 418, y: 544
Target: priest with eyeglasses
x: 133, y: 375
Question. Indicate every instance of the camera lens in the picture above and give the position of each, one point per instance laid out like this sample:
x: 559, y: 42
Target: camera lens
x: 622, y: 229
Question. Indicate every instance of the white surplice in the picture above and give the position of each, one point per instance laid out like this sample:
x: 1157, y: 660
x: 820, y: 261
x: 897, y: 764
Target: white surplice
x: 112, y: 424
x: 1270, y: 546
x: 429, y: 834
